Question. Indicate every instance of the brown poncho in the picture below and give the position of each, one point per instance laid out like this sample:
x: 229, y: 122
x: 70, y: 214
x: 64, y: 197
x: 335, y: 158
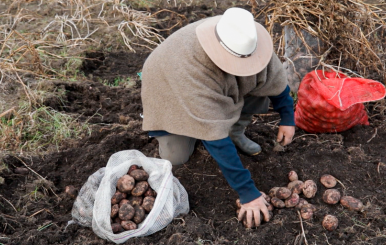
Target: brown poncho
x: 185, y: 93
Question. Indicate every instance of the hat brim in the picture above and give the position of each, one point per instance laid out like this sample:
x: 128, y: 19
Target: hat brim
x: 228, y: 62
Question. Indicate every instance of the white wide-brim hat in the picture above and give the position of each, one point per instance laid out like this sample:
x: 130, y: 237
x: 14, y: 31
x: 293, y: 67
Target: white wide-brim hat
x: 235, y: 42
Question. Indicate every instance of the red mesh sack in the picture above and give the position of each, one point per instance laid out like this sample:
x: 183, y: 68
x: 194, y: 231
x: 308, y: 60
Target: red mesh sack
x: 331, y: 102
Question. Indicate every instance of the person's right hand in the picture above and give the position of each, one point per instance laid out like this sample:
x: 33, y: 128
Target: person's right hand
x: 251, y: 211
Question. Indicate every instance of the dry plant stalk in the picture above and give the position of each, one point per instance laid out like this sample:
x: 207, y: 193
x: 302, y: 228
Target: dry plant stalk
x: 354, y: 31
x: 63, y: 22
x: 81, y: 11
x: 9, y: 203
x: 137, y: 23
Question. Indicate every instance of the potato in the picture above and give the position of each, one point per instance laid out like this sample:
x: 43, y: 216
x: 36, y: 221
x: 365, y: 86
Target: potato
x: 292, y: 201
x: 313, y: 207
x: 114, y: 210
x: 238, y: 203
x: 292, y: 176
x: 270, y: 207
x: 296, y: 186
x: 331, y: 196
x: 124, y: 201
x: 116, y: 227
x: 132, y: 167
x: 117, y: 197
x: 117, y: 220
x: 272, y: 192
x: 309, y: 188
x: 139, y: 214
x: 307, y: 211
x: 301, y: 203
x: 83, y: 212
x: 148, y: 203
x: 266, y: 197
x: 126, y: 212
x: 140, y: 188
x: 351, y: 203
x: 71, y: 191
x: 125, y: 183
x: 283, y: 193
x: 135, y: 200
x: 328, y: 181
x: 330, y: 222
x: 128, y: 225
x: 276, y: 202
x: 280, y: 192
x: 139, y: 174
x: 150, y: 192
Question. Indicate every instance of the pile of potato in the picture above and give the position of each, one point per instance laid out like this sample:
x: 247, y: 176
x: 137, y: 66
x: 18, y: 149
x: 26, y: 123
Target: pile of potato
x: 333, y: 196
x: 290, y: 197
x: 133, y: 199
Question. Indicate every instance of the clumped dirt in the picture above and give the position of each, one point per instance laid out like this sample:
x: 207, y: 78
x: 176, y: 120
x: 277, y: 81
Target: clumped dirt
x: 355, y: 157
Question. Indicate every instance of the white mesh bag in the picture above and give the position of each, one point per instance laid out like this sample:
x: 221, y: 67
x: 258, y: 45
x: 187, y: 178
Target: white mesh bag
x: 93, y: 204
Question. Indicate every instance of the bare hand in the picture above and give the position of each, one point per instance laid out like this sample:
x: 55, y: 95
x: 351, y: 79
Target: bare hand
x: 252, y: 210
x: 285, y: 134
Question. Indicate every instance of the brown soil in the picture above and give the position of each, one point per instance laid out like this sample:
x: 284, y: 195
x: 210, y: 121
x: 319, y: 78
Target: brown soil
x: 355, y: 157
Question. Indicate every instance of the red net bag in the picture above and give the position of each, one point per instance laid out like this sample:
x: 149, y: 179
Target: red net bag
x: 331, y: 102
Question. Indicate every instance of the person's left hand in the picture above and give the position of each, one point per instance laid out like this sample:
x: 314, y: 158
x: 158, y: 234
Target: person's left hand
x: 285, y: 134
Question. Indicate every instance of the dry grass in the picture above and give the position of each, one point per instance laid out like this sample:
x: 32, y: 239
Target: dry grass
x: 30, y: 41
x: 352, y: 31
x: 50, y: 43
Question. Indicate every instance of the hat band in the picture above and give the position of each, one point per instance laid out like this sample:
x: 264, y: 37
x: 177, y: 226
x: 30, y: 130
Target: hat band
x: 230, y: 50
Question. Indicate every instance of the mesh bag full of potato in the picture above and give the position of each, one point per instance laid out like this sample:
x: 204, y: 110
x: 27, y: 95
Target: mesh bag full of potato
x: 93, y: 205
x: 329, y: 102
